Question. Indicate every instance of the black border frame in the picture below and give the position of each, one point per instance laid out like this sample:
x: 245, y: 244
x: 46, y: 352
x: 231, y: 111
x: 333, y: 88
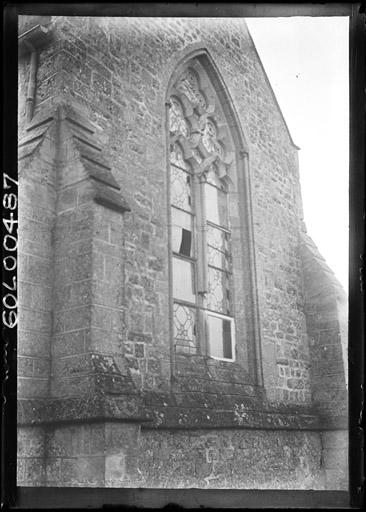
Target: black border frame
x: 28, y: 497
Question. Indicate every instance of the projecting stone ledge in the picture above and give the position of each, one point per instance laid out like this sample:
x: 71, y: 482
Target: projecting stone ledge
x: 202, y: 410
x: 177, y: 411
x: 130, y: 409
x: 76, y: 410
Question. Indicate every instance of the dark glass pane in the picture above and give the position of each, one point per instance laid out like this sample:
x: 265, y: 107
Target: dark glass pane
x: 181, y: 232
x: 226, y: 335
x: 185, y: 246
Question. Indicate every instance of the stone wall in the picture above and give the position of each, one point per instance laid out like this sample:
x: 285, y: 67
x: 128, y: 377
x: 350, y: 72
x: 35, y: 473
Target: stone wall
x: 113, y: 455
x: 119, y: 71
x: 102, y: 402
x: 93, y: 455
x: 232, y: 459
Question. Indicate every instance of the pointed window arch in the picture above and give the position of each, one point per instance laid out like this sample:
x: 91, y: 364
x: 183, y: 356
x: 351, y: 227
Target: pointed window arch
x: 205, y: 218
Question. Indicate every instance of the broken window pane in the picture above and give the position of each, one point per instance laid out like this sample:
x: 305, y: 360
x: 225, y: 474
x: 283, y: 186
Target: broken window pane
x: 181, y: 232
x: 216, y: 207
x: 183, y: 280
x: 185, y: 246
x: 180, y: 188
x: 219, y: 334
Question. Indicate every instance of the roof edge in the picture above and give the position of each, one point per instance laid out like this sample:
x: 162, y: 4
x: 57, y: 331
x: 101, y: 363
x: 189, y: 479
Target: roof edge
x: 271, y: 90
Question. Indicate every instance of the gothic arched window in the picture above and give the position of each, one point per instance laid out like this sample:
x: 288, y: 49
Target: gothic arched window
x: 201, y: 158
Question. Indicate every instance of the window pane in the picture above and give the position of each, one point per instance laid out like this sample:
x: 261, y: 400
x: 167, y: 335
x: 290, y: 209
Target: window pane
x: 219, y: 332
x: 181, y: 232
x: 183, y: 286
x: 216, y: 208
x: 218, y: 248
x: 216, y: 238
x: 184, y: 325
x: 218, y: 297
x: 180, y: 188
x: 216, y: 258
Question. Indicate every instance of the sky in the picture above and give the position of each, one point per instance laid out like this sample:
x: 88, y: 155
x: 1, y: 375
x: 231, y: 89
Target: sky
x: 306, y: 60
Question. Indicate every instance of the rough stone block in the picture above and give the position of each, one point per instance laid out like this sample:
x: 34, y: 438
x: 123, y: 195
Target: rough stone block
x: 34, y: 474
x: 69, y: 343
x: 335, y: 439
x: 32, y: 387
x: 30, y: 442
x: 73, y: 386
x: 32, y: 343
x: 115, y: 469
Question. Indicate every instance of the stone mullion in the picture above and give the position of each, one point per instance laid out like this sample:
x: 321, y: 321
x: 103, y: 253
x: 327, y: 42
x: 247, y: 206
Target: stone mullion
x: 199, y: 183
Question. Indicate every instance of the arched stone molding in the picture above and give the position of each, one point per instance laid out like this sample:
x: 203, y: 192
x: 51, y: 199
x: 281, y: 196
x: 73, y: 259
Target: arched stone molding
x: 203, y: 124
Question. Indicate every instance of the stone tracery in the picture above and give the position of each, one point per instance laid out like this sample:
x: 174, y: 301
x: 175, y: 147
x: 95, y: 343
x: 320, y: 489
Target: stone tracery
x: 209, y: 139
x: 189, y: 108
x: 177, y: 122
x: 189, y: 86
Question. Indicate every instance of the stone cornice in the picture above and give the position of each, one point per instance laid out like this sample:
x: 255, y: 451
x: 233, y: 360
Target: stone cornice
x: 33, y: 412
x: 163, y: 412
